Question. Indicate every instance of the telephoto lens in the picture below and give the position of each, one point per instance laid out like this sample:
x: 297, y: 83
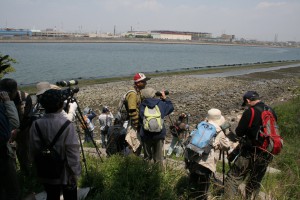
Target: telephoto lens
x: 67, y: 83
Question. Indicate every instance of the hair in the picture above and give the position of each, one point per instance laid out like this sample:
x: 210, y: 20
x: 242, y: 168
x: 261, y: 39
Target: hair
x: 52, y: 101
x: 9, y: 85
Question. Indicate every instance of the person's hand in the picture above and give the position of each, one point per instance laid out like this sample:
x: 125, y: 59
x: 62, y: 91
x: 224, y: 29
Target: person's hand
x: 4, y: 96
x: 163, y: 95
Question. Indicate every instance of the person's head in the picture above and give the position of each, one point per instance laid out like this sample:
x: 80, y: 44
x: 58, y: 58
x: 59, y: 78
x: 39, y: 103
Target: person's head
x: 148, y: 93
x: 10, y: 86
x: 117, y: 121
x: 250, y: 98
x: 215, y: 116
x: 140, y: 80
x: 105, y: 109
x: 52, y: 101
x: 86, y: 110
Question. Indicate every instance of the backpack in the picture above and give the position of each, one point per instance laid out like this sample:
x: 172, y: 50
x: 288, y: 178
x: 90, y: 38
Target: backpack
x: 200, y: 141
x: 48, y: 161
x: 122, y: 112
x: 152, y: 121
x: 5, y: 130
x: 116, y: 140
x: 268, y: 137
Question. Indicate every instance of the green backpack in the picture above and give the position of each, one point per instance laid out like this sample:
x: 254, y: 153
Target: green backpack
x: 152, y: 121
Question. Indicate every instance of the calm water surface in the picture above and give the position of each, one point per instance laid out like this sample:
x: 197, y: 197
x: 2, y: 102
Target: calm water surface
x: 63, y: 61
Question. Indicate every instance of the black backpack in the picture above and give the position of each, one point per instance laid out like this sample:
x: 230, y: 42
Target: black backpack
x: 116, y: 140
x: 48, y: 162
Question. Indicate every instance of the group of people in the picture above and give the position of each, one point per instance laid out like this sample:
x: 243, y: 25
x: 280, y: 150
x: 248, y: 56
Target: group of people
x: 251, y: 163
x: 142, y: 128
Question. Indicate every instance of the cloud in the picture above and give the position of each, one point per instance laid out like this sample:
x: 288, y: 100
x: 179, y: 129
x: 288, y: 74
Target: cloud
x: 137, y: 5
x: 267, y: 5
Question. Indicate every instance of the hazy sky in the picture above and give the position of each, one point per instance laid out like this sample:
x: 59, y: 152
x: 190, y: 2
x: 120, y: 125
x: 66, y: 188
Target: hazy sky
x: 249, y: 19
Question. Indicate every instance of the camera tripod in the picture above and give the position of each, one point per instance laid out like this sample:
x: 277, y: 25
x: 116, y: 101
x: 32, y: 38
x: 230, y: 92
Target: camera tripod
x: 81, y: 122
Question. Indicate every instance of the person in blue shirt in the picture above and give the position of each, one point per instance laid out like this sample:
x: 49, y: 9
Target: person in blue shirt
x: 153, y: 141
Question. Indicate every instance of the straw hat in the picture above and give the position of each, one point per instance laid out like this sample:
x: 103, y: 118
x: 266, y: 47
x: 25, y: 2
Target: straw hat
x: 42, y: 87
x: 215, y: 116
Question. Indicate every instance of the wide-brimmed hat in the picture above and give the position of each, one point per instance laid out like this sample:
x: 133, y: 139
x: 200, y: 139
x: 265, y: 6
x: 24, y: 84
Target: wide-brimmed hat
x: 214, y: 115
x: 42, y: 87
x: 148, y: 92
x: 251, y: 95
x: 140, y: 77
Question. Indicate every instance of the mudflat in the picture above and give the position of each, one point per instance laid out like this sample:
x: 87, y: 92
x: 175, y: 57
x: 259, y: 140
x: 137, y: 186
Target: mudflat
x: 197, y: 95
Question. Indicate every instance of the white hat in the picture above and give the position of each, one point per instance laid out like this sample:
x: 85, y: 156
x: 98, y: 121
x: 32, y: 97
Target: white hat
x: 42, y: 87
x: 214, y: 115
x: 148, y: 92
x: 140, y: 77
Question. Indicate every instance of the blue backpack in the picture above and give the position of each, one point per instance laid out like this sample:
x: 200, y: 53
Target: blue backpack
x: 200, y: 141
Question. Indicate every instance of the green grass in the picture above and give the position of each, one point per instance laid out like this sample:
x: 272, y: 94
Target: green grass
x: 287, y: 183
x: 130, y: 178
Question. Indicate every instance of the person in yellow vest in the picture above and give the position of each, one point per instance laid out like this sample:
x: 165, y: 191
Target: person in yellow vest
x: 132, y: 103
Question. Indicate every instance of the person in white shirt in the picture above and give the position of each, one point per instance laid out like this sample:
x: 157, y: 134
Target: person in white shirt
x: 105, y: 120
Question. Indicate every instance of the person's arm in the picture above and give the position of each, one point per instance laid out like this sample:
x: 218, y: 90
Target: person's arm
x: 243, y: 125
x: 92, y: 115
x: 72, y: 150
x: 169, y: 108
x: 221, y: 141
x: 71, y: 111
x: 11, y: 110
x: 132, y: 108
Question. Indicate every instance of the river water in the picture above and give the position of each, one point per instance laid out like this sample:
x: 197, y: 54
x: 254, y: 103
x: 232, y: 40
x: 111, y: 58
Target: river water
x: 63, y: 61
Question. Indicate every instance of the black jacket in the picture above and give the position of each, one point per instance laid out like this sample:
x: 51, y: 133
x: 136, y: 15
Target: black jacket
x: 243, y: 128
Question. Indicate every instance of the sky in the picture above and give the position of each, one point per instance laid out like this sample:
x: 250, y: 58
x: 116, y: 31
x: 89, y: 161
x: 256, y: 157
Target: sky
x: 249, y: 19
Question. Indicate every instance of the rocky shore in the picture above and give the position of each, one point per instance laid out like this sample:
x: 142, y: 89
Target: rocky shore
x: 197, y: 95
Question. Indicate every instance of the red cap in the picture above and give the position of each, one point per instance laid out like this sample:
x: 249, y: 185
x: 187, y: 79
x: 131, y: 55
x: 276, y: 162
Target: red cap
x: 140, y: 77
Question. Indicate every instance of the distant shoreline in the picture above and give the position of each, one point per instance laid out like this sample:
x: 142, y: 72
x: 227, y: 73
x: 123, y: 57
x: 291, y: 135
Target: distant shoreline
x: 131, y: 40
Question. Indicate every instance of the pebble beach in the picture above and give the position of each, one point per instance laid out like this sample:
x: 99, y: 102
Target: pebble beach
x: 196, y: 96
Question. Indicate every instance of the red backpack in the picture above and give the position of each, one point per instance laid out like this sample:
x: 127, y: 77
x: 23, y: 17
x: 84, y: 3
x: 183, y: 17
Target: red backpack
x: 268, y: 133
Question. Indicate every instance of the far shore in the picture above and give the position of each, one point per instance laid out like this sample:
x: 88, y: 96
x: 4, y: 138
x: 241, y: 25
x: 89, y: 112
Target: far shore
x: 132, y: 40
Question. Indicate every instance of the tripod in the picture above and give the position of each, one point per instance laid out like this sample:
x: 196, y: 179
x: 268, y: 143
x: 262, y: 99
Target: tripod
x: 81, y: 122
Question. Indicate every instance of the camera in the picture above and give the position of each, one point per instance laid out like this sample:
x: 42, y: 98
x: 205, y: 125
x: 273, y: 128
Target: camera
x: 69, y: 92
x: 66, y: 83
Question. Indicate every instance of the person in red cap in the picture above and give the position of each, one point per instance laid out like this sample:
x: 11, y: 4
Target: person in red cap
x: 132, y: 103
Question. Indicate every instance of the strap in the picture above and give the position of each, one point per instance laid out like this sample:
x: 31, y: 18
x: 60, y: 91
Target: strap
x: 61, y: 130
x: 252, y: 117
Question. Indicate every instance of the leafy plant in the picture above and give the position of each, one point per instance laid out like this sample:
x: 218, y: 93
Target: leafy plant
x: 6, y: 65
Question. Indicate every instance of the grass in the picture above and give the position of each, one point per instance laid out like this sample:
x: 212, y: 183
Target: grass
x: 130, y: 178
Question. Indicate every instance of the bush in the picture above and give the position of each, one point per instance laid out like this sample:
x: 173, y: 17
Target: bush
x: 130, y: 178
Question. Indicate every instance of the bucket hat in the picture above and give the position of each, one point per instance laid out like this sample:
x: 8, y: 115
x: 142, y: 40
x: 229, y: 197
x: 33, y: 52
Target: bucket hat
x: 215, y: 116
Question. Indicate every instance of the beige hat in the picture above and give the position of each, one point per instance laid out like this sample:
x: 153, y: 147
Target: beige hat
x: 42, y: 87
x: 148, y: 93
x: 214, y: 115
x: 55, y: 87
